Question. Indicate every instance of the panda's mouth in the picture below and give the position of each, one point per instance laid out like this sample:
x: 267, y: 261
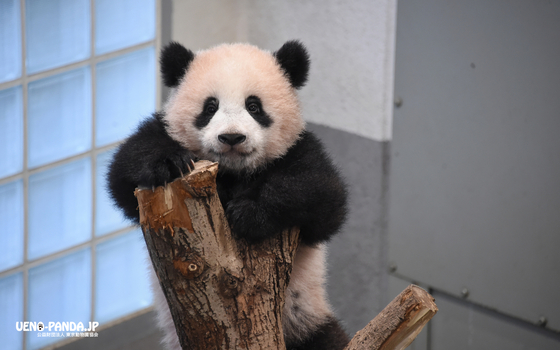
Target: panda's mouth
x: 232, y: 153
x: 236, y: 160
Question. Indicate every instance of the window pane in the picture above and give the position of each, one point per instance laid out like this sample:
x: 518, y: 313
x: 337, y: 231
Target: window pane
x: 11, y: 131
x: 59, y: 208
x: 107, y: 217
x: 125, y: 93
x: 11, y: 304
x: 122, y: 283
x: 10, y: 40
x: 11, y: 217
x: 60, y: 291
x: 121, y: 23
x: 58, y: 33
x: 59, y: 116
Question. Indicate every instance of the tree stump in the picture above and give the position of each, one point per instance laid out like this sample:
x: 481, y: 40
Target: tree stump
x: 226, y: 295
x: 222, y: 293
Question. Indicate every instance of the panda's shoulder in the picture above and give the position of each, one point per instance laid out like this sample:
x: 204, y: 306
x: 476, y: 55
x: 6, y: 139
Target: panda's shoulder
x: 150, y: 137
x: 308, y: 144
x: 155, y: 125
x: 307, y: 152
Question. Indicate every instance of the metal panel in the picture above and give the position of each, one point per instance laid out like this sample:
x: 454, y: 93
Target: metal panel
x: 463, y: 326
x: 475, y: 195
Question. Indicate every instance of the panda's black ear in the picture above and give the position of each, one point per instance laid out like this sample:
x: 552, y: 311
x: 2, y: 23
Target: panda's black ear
x: 294, y: 60
x: 174, y: 62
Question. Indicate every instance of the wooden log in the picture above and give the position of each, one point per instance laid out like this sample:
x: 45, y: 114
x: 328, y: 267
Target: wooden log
x: 398, y: 324
x: 222, y: 295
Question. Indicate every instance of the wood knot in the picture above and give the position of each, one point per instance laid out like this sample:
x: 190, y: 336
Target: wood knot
x: 229, y: 285
x: 189, y: 268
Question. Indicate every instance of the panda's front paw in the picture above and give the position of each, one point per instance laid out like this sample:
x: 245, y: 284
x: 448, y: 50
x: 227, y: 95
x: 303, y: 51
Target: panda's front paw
x: 165, y: 169
x: 247, y: 220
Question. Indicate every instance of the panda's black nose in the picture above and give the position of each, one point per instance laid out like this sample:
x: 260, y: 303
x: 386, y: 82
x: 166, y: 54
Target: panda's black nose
x: 231, y: 139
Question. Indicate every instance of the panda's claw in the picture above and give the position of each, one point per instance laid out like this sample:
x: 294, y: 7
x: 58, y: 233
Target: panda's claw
x: 192, y: 162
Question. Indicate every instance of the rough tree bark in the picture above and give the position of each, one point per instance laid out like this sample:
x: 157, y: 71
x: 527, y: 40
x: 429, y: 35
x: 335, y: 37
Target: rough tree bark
x: 223, y: 294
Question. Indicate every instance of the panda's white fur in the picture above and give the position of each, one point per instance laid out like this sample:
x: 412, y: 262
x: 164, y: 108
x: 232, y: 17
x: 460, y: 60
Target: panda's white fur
x: 306, y: 306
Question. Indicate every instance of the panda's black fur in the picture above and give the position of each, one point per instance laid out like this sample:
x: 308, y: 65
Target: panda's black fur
x: 301, y: 188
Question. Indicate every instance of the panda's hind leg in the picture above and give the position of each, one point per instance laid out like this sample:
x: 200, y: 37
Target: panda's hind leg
x: 308, y: 320
x: 328, y: 336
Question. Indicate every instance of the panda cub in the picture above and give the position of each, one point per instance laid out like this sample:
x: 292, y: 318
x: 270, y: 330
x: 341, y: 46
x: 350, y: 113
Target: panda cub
x: 237, y: 105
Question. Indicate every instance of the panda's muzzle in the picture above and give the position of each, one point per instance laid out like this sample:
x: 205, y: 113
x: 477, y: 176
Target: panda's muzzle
x: 232, y: 139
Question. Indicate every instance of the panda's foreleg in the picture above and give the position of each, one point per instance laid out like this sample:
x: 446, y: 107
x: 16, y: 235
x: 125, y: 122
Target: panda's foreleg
x: 311, y: 200
x: 148, y: 158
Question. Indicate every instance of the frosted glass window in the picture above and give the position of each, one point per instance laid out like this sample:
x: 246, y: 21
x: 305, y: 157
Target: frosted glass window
x: 59, y: 208
x: 59, y: 116
x: 58, y: 33
x: 11, y: 131
x: 11, y: 219
x: 60, y: 291
x: 121, y: 23
x: 122, y: 284
x: 125, y: 94
x: 64, y: 246
x: 10, y: 40
x: 11, y: 304
x: 107, y: 217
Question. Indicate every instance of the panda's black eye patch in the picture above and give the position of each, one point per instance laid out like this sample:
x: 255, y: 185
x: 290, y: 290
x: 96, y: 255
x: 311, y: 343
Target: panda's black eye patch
x: 210, y: 108
x: 253, y: 105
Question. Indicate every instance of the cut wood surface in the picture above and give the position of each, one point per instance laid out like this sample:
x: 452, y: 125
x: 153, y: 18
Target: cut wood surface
x: 226, y: 295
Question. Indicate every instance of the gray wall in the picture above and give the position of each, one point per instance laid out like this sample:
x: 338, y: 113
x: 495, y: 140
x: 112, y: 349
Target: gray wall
x: 475, y: 163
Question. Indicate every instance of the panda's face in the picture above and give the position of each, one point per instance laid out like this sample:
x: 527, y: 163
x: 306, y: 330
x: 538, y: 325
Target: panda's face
x: 234, y: 131
x: 236, y: 106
